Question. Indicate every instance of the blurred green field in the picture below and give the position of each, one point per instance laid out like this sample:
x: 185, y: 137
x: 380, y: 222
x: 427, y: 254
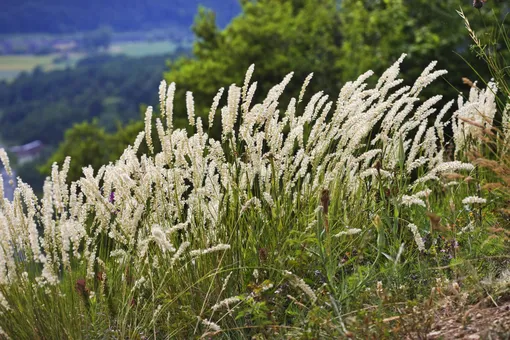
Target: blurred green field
x: 23, y: 62
x: 12, y: 65
x: 142, y: 49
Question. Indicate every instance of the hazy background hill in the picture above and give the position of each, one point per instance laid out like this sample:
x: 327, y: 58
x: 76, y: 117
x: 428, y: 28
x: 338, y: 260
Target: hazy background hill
x: 56, y: 16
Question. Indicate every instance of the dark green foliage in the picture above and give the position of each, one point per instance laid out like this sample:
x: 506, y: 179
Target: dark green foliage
x: 100, y: 38
x: 89, y: 144
x: 43, y: 105
x: 338, y: 42
x: 278, y: 36
x: 377, y: 32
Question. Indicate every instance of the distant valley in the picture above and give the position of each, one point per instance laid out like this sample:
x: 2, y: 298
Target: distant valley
x: 55, y: 36
x: 96, y: 61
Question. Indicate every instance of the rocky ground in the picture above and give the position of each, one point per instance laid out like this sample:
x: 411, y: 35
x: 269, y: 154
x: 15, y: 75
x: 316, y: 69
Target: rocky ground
x: 477, y: 322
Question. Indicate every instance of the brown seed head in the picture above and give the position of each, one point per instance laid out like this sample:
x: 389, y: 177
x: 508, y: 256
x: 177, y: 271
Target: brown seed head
x: 325, y: 200
x: 263, y: 254
x: 468, y: 82
x: 435, y: 221
x: 377, y: 165
x: 81, y: 287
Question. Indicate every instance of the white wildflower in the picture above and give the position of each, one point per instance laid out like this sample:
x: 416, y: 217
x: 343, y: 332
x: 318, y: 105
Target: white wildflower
x: 376, y: 173
x: 426, y: 77
x: 160, y: 238
x: 423, y: 193
x: 303, y: 88
x: 162, y: 97
x: 138, y: 141
x: 148, y: 128
x: 177, y: 227
x: 210, y: 325
x: 415, y: 148
x: 417, y: 237
x: 139, y: 283
x: 249, y: 98
x: 219, y: 247
x: 247, y: 80
x: 349, y: 231
x: 225, y: 282
x: 254, y: 201
x: 474, y: 200
x: 214, y: 106
x: 190, y: 106
x: 169, y: 105
x: 410, y: 200
x: 368, y: 156
x: 179, y: 252
x: 453, y: 166
x: 229, y: 113
x: 266, y: 286
x: 301, y: 284
x: 268, y: 198
x: 5, y: 161
x: 48, y: 273
x: 226, y: 302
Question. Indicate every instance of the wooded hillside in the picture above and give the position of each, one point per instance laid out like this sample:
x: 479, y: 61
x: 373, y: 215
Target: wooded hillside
x: 54, y: 16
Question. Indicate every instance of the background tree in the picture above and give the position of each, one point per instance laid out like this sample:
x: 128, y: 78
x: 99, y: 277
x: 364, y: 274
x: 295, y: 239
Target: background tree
x: 89, y: 144
x: 42, y: 105
x: 86, y: 143
x: 99, y: 39
x: 337, y: 40
x: 376, y: 32
x: 278, y: 36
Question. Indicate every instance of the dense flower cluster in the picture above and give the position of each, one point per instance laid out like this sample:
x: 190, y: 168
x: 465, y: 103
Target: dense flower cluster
x: 168, y: 198
x: 474, y: 200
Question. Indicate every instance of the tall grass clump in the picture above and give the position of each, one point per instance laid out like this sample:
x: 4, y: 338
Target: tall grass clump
x: 489, y: 125
x: 296, y: 219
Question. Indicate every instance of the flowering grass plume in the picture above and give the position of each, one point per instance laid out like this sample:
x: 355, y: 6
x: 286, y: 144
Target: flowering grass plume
x: 161, y: 227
